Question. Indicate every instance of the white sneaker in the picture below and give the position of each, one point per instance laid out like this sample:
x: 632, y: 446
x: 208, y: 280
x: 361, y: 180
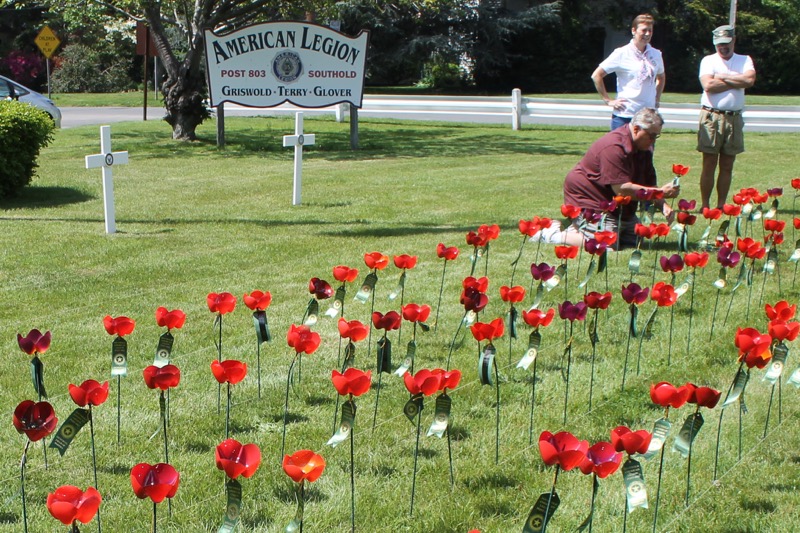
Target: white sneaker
x: 551, y: 235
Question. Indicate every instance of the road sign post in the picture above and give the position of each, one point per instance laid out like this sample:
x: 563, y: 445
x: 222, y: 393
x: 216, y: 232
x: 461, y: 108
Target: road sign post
x: 48, y: 42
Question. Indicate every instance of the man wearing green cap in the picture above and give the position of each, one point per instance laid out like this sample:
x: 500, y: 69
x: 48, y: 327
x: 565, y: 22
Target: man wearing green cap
x: 724, y: 77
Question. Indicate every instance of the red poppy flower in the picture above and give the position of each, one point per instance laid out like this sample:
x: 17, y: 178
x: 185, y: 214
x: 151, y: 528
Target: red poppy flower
x: 570, y: 211
x: 529, y: 227
x: 784, y: 331
x: 753, y: 347
x: 562, y: 448
x: 796, y: 222
x: 376, y: 260
x: 229, y: 371
x: 302, y: 339
x: 423, y: 382
x: 572, y: 312
x: 537, y: 318
x: 479, y: 284
x: 448, y: 379
x: 156, y: 481
x: 388, y: 322
x: 622, y: 200
x: 667, y: 395
x: 473, y: 300
x: 752, y: 249
x: 741, y: 199
x: 605, y: 237
x: 686, y: 218
x: 120, y: 325
x: 542, y: 271
x: 663, y: 294
x: 221, y: 303
x: 679, y: 170
x: 712, y: 214
x: 303, y: 465
x: 320, y: 289
x: 416, y: 313
x: 513, y: 294
x: 566, y: 252
x: 405, y: 261
x: 781, y: 311
x: 776, y: 238
x: 796, y: 183
x: 595, y: 300
x: 162, y: 378
x: 353, y: 330
x: 36, y: 419
x: 353, y: 381
x: 777, y: 226
x: 257, y: 300
x: 703, y: 396
x: 490, y: 232
x: 673, y: 263
x: 601, y: 459
x: 696, y: 259
x: 344, y: 274
x: 34, y: 342
x: 170, y: 319
x: 237, y: 459
x: 69, y: 503
x: 476, y: 239
x: 445, y: 252
x: 631, y: 442
x: 89, y: 392
x: 633, y: 293
x: 732, y: 210
x: 483, y: 331
x: 760, y: 198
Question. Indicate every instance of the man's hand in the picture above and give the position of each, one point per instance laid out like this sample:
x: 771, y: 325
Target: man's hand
x: 670, y: 190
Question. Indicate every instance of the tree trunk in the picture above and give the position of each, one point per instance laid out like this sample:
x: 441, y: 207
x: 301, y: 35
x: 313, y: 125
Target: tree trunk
x: 183, y: 101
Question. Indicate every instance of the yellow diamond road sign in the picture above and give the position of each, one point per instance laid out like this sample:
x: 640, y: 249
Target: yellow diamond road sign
x: 47, y: 41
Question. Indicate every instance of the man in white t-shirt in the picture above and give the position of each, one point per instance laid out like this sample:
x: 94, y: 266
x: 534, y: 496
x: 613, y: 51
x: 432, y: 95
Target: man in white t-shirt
x: 640, y: 74
x: 724, y: 77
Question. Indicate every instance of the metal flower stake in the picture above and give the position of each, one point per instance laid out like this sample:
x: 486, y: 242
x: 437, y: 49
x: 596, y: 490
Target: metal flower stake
x: 302, y: 466
x: 119, y: 326
x: 388, y: 322
x: 486, y: 363
x: 303, y: 340
x: 235, y: 459
x: 354, y: 331
x: 405, y: 263
x: 570, y: 312
x: 448, y: 253
x: 536, y: 319
x: 634, y: 296
x: 220, y: 304
x: 701, y: 397
x: 258, y: 302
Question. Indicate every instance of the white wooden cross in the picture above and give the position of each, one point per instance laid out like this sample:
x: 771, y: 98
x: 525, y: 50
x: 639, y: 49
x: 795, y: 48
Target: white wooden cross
x: 298, y: 140
x: 106, y: 159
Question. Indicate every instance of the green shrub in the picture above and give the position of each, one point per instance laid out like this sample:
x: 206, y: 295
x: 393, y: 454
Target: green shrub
x: 24, y: 131
x: 84, y: 70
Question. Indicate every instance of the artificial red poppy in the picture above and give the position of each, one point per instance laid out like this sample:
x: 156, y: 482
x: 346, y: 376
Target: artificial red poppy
x: 302, y: 339
x: 405, y: 261
x: 570, y: 211
x: 687, y: 205
x: 448, y: 379
x: 594, y: 247
x: 622, y: 200
x: 796, y: 222
x: 753, y: 347
x: 36, y: 419
x: 531, y: 227
x: 679, y: 170
x: 631, y: 442
x: 221, y: 303
x: 796, y: 183
x: 353, y: 381
x: 423, y: 382
x: 388, y: 322
x: 770, y: 224
x: 742, y: 198
x: 416, y: 313
x: 474, y: 300
x: 634, y: 294
x: 696, y: 259
x: 760, y: 198
x: 566, y: 252
x: 170, y: 319
x: 703, y: 396
x: 448, y: 253
x: 666, y: 394
x: 257, y: 300
x: 120, y: 325
x: 156, y: 481
x: 353, y: 330
x: 595, y: 300
x: 162, y: 378
x: 750, y: 248
x: 303, y: 465
x: 605, y: 237
x: 661, y: 230
x: 229, y: 371
x: 645, y: 232
x: 34, y: 342
x: 479, y: 284
x: 781, y: 311
x: 344, y: 274
x: 537, y: 318
x: 513, y: 294
x: 732, y: 210
x: 601, y: 459
x: 608, y: 206
x: 542, y: 271
x: 237, y: 459
x: 727, y: 257
x: 476, y: 239
x: 775, y: 238
x: 489, y: 231
x: 663, y: 294
x: 783, y: 331
x: 686, y: 218
x: 320, y: 289
x: 376, y: 260
x: 562, y: 448
x: 69, y: 503
x: 572, y: 312
x: 673, y: 263
x: 89, y: 392
x: 483, y: 331
x: 712, y: 213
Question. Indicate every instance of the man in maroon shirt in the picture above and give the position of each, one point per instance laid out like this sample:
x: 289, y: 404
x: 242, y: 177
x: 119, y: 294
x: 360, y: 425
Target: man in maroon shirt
x: 618, y: 164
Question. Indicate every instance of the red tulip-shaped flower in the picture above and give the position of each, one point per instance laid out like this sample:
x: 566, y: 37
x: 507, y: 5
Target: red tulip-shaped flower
x: 537, y: 318
x: 302, y: 339
x: 448, y: 379
x: 783, y: 331
x: 120, y: 325
x: 353, y: 381
x: 634, y: 294
x: 230, y: 371
x: 601, y: 459
x: 257, y: 300
x: 303, y: 465
x: 566, y: 252
x: 353, y: 330
x: 780, y: 311
x: 221, y: 303
x: 663, y: 294
x: 423, y: 382
x: 405, y: 261
x: 376, y: 260
x: 320, y: 289
x: 448, y: 253
x: 513, y: 294
x: 666, y: 394
x: 753, y: 347
x: 631, y: 442
x: 34, y: 342
x: 90, y: 392
x: 562, y: 448
x: 163, y: 378
x: 416, y: 313
x: 237, y: 459
x: 595, y: 300
x: 69, y: 503
x: 170, y: 319
x: 343, y: 274
x: 390, y: 321
x: 703, y: 396
x: 488, y: 332
x: 156, y: 481
x: 35, y: 419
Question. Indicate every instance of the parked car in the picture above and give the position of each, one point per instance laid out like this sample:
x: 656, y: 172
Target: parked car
x: 12, y: 89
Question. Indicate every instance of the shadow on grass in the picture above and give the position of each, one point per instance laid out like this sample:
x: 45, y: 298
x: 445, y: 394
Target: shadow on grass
x: 287, y: 493
x: 33, y: 197
x: 490, y: 480
x: 8, y: 518
x: 319, y: 400
x: 290, y: 418
x: 116, y: 470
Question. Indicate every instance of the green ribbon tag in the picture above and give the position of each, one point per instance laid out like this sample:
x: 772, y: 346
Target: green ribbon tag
x: 684, y: 287
x: 234, y: 508
x: 589, y: 273
x: 552, y: 283
x: 683, y: 240
x: 635, y: 489
x: 470, y: 317
x: 779, y: 354
x: 632, y: 324
x: 512, y: 322
x: 119, y: 357
x: 773, y: 209
x: 164, y: 350
x: 794, y: 379
x: 262, y: 327
x: 739, y: 383
x: 384, y: 354
x: 534, y: 341
x: 69, y: 429
x: 771, y: 262
x: 795, y: 257
x: 411, y: 352
x: 346, y: 424
x: 757, y: 213
x: 721, y: 283
x: 413, y: 407
x: 349, y: 355
x: 540, y: 515
x: 723, y: 229
x: 738, y: 226
x: 660, y: 431
x: 602, y: 262
x: 312, y: 313
x: 441, y: 416
x: 537, y: 299
x: 37, y: 375
x: 635, y: 261
x: 399, y: 289
x: 338, y: 302
x: 703, y: 242
x: 689, y: 430
x: 367, y: 287
x: 485, y: 364
x: 647, y: 333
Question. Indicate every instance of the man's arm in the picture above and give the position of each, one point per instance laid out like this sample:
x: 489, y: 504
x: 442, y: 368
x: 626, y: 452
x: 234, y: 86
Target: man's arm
x: 737, y: 81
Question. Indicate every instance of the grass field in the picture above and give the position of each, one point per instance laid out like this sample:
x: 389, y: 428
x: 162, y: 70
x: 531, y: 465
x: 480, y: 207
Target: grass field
x: 193, y: 219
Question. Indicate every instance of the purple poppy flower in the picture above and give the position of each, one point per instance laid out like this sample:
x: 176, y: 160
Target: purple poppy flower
x: 542, y: 271
x: 594, y: 247
x: 687, y: 205
x: 633, y: 293
x: 776, y: 191
x: 572, y: 311
x: 591, y: 216
x: 727, y: 257
x: 608, y: 206
x: 673, y: 263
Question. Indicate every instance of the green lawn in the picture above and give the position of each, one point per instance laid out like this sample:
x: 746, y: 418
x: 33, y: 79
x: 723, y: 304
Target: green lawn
x: 193, y: 219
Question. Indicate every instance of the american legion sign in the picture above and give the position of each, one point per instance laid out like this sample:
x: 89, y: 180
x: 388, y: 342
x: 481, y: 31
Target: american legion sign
x: 267, y: 64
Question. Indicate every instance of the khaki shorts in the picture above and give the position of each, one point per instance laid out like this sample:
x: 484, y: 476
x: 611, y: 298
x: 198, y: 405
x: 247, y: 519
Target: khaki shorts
x: 720, y: 133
